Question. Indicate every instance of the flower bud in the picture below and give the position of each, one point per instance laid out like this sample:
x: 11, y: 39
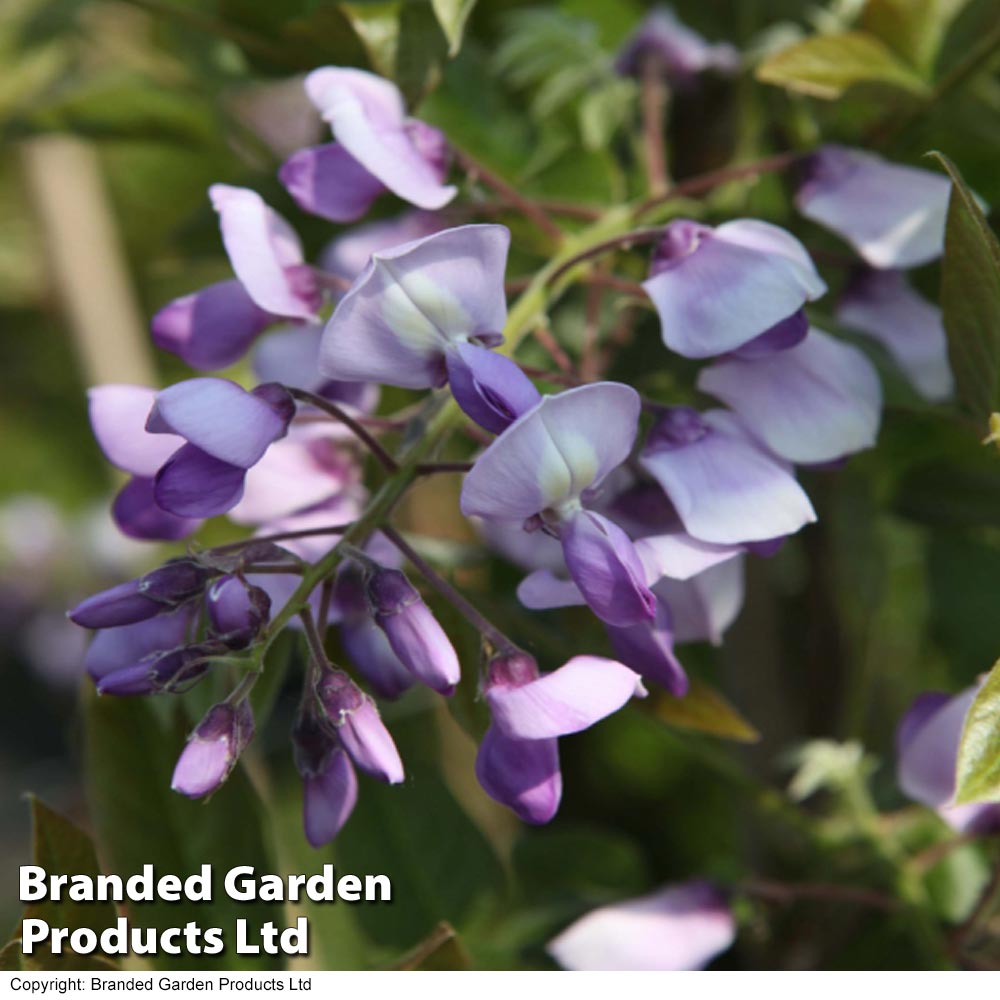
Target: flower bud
x: 213, y: 749
x: 350, y: 715
x: 329, y: 784
x: 169, y: 671
x: 413, y: 632
x: 155, y: 593
x: 237, y: 610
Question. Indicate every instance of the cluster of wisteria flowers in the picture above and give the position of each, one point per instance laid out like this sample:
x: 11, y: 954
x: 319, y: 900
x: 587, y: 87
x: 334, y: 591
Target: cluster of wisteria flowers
x: 641, y: 510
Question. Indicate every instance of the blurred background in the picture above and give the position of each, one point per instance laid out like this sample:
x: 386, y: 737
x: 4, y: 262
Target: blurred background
x: 117, y: 114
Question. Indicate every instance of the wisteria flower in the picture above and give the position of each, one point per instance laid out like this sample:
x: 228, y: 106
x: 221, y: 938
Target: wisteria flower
x: 885, y: 307
x: 892, y: 214
x: 518, y: 760
x: 927, y: 741
x: 378, y: 148
x: 811, y: 403
x: 717, y: 289
x: 725, y: 487
x: 680, y: 927
x: 541, y: 469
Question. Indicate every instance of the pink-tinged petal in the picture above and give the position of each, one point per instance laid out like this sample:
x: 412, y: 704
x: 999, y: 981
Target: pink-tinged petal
x: 195, y: 485
x: 715, y: 290
x: 725, y: 487
x: 603, y: 563
x: 682, y: 927
x: 542, y: 590
x: 264, y: 252
x: 490, y: 388
x: 703, y: 607
x: 367, y: 116
x: 221, y: 418
x: 927, y: 762
x: 348, y: 254
x: 893, y: 215
x: 212, y: 328
x: 137, y: 515
x: 680, y: 556
x: 114, y: 649
x: 648, y: 649
x: 327, y: 181
x: 412, y: 301
x: 882, y: 305
x: 565, y: 445
x: 813, y: 403
x: 328, y: 799
x: 523, y: 775
x: 118, y: 415
x: 583, y: 691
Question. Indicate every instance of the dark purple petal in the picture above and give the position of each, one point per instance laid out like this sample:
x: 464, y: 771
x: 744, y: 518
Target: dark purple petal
x: 327, y: 181
x: 237, y: 610
x: 193, y: 484
x: 523, y: 775
x: 137, y: 515
x: 368, y: 648
x: 648, y: 648
x: 329, y: 797
x: 784, y: 334
x: 603, y: 563
x: 114, y: 649
x: 490, y: 388
x: 212, y: 328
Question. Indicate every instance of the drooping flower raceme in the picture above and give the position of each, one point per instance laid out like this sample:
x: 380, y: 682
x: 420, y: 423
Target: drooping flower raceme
x: 378, y: 148
x: 545, y: 465
x: 719, y: 289
x: 680, y: 927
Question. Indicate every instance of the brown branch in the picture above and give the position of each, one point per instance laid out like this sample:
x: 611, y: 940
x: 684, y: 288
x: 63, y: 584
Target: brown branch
x: 653, y: 97
x: 791, y: 892
x: 553, y: 348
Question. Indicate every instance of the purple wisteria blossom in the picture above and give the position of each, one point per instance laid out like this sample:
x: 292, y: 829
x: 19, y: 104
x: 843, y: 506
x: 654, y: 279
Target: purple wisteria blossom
x: 812, y: 403
x: 378, y: 148
x: 725, y: 487
x: 329, y: 784
x: 927, y: 741
x: 518, y: 760
x: 545, y: 465
x: 680, y: 927
x: 718, y: 289
x: 213, y: 749
x: 893, y: 215
x: 347, y: 255
x: 885, y: 307
x: 675, y: 51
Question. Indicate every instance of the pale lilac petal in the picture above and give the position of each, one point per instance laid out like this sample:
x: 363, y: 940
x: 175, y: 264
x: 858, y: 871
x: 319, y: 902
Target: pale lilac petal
x: 917, y: 715
x: 137, y: 515
x: 280, y: 587
x: 212, y: 328
x: 813, y: 403
x: 265, y: 253
x: 367, y: 119
x: 603, y: 563
x: 892, y: 214
x: 290, y: 356
x: 338, y: 510
x: 726, y: 488
x: 328, y: 799
x: 348, y: 254
x: 490, y: 388
x: 583, y: 691
x: 195, y: 485
x: 680, y: 556
x: 530, y: 550
x: 554, y: 452
x: 523, y: 775
x: 327, y: 181
x: 220, y: 418
x: 118, y: 415
x: 542, y: 590
x: 412, y: 301
x: 213, y: 749
x: 681, y: 927
x: 718, y: 289
x: 648, y: 649
x: 882, y: 305
x: 703, y: 607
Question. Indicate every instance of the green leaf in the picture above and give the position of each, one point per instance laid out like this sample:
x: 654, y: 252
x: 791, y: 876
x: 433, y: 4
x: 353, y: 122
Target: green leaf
x: 826, y: 66
x: 970, y: 299
x: 452, y: 15
x: 377, y: 26
x: 11, y: 959
x: 62, y: 848
x: 704, y: 710
x: 440, y: 951
x: 130, y: 755
x: 913, y: 29
x: 978, y: 771
x: 421, y: 53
